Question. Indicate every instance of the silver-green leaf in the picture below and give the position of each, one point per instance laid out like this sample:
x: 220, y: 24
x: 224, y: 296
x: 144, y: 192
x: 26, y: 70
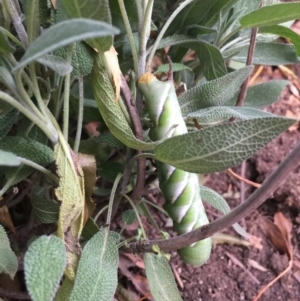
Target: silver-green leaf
x: 218, y: 202
x: 56, y: 63
x: 63, y: 34
x: 272, y: 15
x: 160, y: 277
x: 96, y: 277
x: 44, y: 263
x: 213, y: 93
x: 215, y: 115
x: 8, y: 259
x: 9, y: 159
x: 261, y: 95
x: 266, y: 54
x: 221, y: 146
x: 95, y: 10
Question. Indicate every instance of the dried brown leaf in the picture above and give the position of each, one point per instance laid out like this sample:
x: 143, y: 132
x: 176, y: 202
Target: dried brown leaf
x: 274, y: 234
x: 285, y: 227
x: 5, y: 219
x: 113, y: 63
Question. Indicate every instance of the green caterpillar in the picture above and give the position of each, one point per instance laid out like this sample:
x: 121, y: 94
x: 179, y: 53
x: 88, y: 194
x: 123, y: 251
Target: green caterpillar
x: 180, y: 188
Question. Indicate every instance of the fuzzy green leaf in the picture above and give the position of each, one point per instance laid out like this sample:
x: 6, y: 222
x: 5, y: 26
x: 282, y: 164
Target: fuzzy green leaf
x: 56, y: 63
x: 176, y: 67
x: 211, y: 59
x: 8, y: 259
x: 96, y: 277
x: 214, y: 92
x: 63, y: 34
x: 214, y: 115
x: 215, y: 200
x: 266, y: 54
x: 5, y: 47
x: 283, y: 32
x: 261, y: 95
x: 7, y: 79
x: 44, y: 263
x: 160, y: 277
x: 132, y: 14
x: 128, y: 217
x: 44, y: 210
x: 221, y: 146
x: 95, y: 10
x: 9, y: 159
x: 272, y: 15
x: 28, y: 149
x: 111, y: 110
x: 7, y: 118
x: 201, y: 12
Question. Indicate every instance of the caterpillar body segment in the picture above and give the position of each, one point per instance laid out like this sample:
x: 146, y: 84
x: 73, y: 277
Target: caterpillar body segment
x: 180, y: 188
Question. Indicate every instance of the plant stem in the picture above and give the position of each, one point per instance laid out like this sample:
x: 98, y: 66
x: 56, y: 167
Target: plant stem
x: 80, y: 114
x: 17, y: 22
x: 51, y: 134
x: 12, y: 37
x: 25, y: 98
x: 129, y: 34
x: 243, y: 92
x: 144, y: 35
x: 136, y: 213
x: 100, y: 212
x: 112, y: 196
x: 40, y: 168
x: 164, y: 29
x: 67, y: 96
x: 255, y: 200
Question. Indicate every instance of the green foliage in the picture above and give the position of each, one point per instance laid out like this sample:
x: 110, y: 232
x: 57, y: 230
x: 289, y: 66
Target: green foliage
x: 206, y: 151
x: 8, y: 259
x: 97, y: 269
x: 44, y: 264
x: 56, y: 91
x: 160, y: 277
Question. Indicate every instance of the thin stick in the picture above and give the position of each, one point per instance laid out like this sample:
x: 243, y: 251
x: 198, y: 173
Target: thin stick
x: 129, y: 34
x: 112, y: 196
x: 230, y: 171
x: 255, y: 200
x: 80, y: 115
x: 136, y: 213
x: 164, y: 29
x: 66, y: 97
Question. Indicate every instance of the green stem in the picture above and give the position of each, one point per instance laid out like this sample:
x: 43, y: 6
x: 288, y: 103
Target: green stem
x: 222, y: 42
x: 144, y: 38
x: 16, y: 20
x: 36, y: 90
x: 80, y: 115
x: 8, y: 184
x: 100, y: 212
x: 51, y: 134
x: 40, y: 168
x: 66, y: 97
x: 155, y: 206
x: 12, y: 37
x: 164, y: 29
x: 112, y: 197
x: 25, y: 98
x: 137, y: 214
x: 129, y: 34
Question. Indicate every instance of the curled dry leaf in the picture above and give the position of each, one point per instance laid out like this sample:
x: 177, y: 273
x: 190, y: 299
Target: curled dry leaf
x: 277, y: 232
x: 113, y: 64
